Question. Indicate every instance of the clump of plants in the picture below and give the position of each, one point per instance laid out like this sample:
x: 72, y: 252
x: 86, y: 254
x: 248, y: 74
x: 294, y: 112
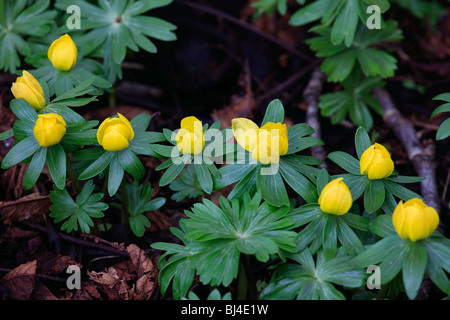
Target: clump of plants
x: 282, y: 213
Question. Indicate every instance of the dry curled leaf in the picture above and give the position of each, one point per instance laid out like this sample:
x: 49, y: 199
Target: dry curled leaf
x: 146, y: 273
x: 21, y: 280
x: 31, y: 207
x: 133, y: 279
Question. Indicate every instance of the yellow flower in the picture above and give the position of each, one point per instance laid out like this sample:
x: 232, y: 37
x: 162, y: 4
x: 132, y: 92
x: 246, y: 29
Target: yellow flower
x: 63, y: 53
x: 28, y: 88
x: 266, y: 144
x: 335, y: 198
x: 190, y: 138
x: 115, y: 134
x: 49, y: 129
x: 414, y: 220
x: 376, y: 162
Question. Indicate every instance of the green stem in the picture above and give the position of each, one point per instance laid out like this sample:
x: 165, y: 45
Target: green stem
x: 112, y: 97
x: 124, y: 217
x: 247, y: 283
x: 382, y: 293
x: 242, y: 284
x: 76, y: 183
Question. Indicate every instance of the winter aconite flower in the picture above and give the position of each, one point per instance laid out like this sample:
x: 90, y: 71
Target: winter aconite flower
x: 414, y: 220
x: 63, y: 53
x: 28, y: 88
x: 335, y: 198
x: 49, y: 129
x: 115, y: 134
x: 376, y: 162
x: 190, y: 138
x: 266, y: 144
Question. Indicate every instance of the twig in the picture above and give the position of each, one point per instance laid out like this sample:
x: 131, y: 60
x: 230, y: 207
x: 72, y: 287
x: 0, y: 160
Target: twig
x: 40, y: 276
x: 82, y: 242
x: 311, y: 99
x: 247, y: 26
x: 288, y: 83
x: 420, y: 155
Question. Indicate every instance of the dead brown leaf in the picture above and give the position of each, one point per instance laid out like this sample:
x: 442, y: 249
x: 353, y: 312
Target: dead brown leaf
x: 41, y: 292
x: 21, y: 280
x: 146, y: 273
x: 31, y: 207
x: 133, y: 279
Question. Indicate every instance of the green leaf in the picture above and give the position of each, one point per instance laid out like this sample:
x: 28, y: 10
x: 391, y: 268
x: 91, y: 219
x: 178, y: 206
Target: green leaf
x: 356, y: 183
x: 400, y: 191
x: 35, y: 168
x: 348, y: 238
x: 274, y: 112
x: 382, y: 226
x: 356, y: 221
x: 273, y: 189
x: 344, y: 27
x: 56, y: 162
x: 171, y: 173
x: 138, y: 223
x: 443, y: 97
x: 329, y: 240
x: 204, y: 177
x: 444, y: 130
x: 141, y: 122
x: 115, y: 175
x: 384, y: 5
x: 131, y: 163
x: 339, y: 66
x: 100, y: 164
x: 7, y: 134
x: 414, y: 265
x: 246, y: 185
x: 374, y: 195
x: 309, y: 13
x: 345, y: 161
x: 377, y: 252
x: 362, y: 141
x: 298, y: 182
x: 22, y: 150
x: 15, y: 22
x: 231, y: 173
x: 23, y: 110
x: 443, y: 108
x: 405, y: 179
x: 323, y: 178
x: 79, y: 213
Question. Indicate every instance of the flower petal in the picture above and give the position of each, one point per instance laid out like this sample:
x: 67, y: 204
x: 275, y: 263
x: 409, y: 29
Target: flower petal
x: 245, y: 132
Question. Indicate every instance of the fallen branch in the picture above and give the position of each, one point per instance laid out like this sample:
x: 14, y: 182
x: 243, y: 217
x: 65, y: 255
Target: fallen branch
x: 421, y: 155
x: 311, y: 99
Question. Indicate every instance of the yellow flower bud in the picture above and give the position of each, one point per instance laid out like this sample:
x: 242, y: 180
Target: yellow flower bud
x: 266, y: 144
x: 414, y: 220
x: 272, y: 143
x: 63, y: 53
x: 376, y: 162
x: 190, y: 138
x: 335, y: 198
x: 28, y: 88
x: 115, y: 134
x: 49, y: 129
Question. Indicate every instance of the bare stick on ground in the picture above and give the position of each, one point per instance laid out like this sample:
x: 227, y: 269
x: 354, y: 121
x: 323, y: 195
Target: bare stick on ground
x: 311, y: 99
